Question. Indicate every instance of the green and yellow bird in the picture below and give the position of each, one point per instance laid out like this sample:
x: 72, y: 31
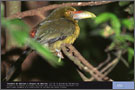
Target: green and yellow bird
x: 60, y: 27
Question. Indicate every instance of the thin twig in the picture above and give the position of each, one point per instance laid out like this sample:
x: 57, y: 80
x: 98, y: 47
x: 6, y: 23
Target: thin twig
x: 84, y: 78
x: 110, y: 66
x: 125, y: 62
x: 112, y: 63
x: 105, y: 62
x: 40, y: 11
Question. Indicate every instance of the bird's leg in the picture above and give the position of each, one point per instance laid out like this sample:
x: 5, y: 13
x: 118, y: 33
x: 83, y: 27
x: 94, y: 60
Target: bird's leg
x: 59, y: 54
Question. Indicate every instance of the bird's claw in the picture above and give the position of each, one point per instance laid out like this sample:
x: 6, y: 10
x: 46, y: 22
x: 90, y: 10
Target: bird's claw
x: 59, y: 54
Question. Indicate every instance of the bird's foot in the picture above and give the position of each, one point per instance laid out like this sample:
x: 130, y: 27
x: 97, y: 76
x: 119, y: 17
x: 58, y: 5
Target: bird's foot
x: 59, y: 54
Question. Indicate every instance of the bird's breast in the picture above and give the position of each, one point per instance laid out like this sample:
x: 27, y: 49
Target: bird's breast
x: 72, y: 38
x: 69, y: 39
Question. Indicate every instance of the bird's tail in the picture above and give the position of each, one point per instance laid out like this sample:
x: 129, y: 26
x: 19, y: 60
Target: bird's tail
x: 16, y: 67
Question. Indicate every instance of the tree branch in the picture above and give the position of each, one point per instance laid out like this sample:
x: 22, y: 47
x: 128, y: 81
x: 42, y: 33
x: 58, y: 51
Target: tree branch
x: 40, y: 11
x: 82, y: 63
x: 12, y: 7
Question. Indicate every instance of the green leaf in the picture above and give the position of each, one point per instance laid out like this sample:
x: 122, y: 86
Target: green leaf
x: 104, y: 17
x: 19, y: 31
x: 123, y: 3
x: 20, y: 24
x: 130, y: 54
x: 101, y: 18
x: 123, y: 38
x: 119, y: 39
x: 128, y: 37
x: 128, y: 23
x: 19, y: 36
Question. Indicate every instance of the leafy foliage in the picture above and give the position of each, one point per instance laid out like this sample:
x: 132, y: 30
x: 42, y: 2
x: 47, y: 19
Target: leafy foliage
x: 128, y: 23
x: 115, y: 33
x: 19, y: 31
x: 110, y: 32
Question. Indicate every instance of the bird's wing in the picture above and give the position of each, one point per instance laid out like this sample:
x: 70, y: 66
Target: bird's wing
x: 52, y: 31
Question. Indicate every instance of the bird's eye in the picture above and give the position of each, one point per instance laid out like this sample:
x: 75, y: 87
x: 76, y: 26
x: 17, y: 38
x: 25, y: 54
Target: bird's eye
x: 69, y: 12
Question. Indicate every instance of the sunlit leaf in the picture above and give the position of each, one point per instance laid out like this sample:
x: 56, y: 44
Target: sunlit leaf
x: 113, y: 20
x: 126, y: 37
x: 128, y: 23
x: 130, y: 54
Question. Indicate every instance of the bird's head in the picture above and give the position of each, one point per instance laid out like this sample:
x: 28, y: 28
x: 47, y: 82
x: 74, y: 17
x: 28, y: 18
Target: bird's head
x: 70, y: 13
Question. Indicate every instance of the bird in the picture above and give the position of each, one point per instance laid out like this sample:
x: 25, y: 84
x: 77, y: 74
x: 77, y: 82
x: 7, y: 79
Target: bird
x: 60, y: 27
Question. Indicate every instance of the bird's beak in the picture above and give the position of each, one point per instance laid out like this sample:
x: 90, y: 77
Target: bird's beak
x: 82, y: 15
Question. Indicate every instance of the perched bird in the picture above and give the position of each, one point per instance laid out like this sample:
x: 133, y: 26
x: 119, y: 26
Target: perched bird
x: 60, y: 27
